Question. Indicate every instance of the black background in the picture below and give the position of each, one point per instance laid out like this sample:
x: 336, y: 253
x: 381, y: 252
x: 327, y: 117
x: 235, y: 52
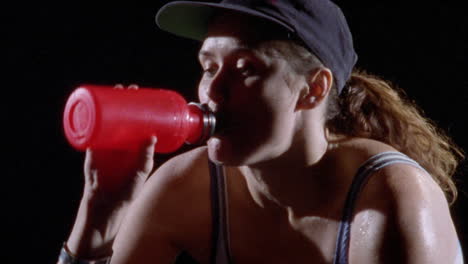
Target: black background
x: 53, y: 47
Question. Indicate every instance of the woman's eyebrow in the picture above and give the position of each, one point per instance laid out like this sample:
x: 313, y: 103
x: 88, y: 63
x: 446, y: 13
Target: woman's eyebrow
x: 204, y: 53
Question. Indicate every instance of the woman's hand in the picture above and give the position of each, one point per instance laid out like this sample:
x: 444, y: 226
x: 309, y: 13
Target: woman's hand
x: 112, y: 180
x: 116, y: 176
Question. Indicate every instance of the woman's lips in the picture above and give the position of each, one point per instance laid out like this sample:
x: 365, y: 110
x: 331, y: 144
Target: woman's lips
x: 226, y: 123
x: 222, y: 122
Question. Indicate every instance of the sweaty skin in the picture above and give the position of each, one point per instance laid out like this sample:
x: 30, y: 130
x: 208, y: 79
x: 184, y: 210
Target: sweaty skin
x: 286, y: 181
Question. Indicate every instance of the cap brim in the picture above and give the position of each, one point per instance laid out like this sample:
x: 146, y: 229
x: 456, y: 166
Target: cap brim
x: 190, y: 19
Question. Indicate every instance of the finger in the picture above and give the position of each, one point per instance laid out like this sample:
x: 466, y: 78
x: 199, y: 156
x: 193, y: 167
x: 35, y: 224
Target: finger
x: 133, y: 87
x: 149, y: 150
x: 118, y: 86
x: 147, y: 156
x: 95, y: 179
x: 153, y: 139
x: 88, y: 171
x: 88, y: 159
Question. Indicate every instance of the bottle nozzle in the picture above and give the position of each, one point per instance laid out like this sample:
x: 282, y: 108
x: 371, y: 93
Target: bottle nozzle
x: 207, y: 123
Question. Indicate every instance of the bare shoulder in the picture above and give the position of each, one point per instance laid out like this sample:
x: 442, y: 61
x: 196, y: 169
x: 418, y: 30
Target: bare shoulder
x: 181, y: 169
x: 416, y: 212
x: 363, y: 148
x: 177, y: 194
x: 411, y: 190
x: 182, y: 176
x: 409, y: 211
x: 171, y: 214
x: 350, y: 153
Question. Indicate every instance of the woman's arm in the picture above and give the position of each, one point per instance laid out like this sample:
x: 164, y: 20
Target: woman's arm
x: 172, y: 209
x: 112, y: 181
x: 145, y: 235
x: 422, y: 217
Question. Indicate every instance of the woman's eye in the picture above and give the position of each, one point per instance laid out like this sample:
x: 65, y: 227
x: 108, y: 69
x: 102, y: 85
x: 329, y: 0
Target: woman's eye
x: 245, y: 67
x: 210, y: 71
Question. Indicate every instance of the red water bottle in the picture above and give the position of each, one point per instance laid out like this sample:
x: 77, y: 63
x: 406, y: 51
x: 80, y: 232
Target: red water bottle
x: 100, y: 117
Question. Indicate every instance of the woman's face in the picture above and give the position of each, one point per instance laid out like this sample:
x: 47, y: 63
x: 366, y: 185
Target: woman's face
x: 254, y: 95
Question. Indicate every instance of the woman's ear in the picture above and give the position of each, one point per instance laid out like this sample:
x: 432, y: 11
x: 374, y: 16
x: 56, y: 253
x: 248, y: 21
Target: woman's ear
x: 318, y: 85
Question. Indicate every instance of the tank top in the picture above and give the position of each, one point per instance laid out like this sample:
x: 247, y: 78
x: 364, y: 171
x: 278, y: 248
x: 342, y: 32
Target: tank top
x: 220, y: 248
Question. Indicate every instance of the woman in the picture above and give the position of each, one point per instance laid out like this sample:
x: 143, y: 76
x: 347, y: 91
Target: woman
x: 307, y: 166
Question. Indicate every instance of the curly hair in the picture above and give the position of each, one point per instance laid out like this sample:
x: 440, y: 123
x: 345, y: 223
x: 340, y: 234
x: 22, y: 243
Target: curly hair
x: 371, y: 107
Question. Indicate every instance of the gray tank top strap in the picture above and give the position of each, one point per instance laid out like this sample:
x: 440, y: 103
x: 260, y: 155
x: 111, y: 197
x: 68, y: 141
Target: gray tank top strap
x: 220, y: 248
x: 363, y: 174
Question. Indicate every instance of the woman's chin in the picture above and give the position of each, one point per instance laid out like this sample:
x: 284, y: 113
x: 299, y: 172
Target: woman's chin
x: 220, y: 151
x: 216, y: 149
x: 223, y: 151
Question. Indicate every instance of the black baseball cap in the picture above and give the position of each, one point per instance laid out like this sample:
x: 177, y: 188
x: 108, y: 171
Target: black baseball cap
x: 319, y: 24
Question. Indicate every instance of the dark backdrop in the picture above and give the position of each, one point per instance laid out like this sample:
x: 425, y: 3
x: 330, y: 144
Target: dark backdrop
x: 51, y: 48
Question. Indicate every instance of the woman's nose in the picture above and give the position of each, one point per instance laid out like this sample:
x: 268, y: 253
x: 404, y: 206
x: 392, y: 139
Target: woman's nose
x: 217, y: 88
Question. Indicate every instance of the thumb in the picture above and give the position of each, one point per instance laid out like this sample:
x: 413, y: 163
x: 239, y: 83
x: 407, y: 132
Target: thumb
x: 148, y: 154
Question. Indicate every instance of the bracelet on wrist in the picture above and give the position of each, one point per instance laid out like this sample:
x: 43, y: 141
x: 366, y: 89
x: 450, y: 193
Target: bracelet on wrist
x: 66, y: 257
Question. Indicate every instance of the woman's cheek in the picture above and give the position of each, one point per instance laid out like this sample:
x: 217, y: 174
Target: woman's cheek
x: 201, y: 91
x: 251, y: 81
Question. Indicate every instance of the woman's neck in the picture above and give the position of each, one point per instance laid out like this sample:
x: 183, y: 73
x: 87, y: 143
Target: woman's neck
x: 302, y: 180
